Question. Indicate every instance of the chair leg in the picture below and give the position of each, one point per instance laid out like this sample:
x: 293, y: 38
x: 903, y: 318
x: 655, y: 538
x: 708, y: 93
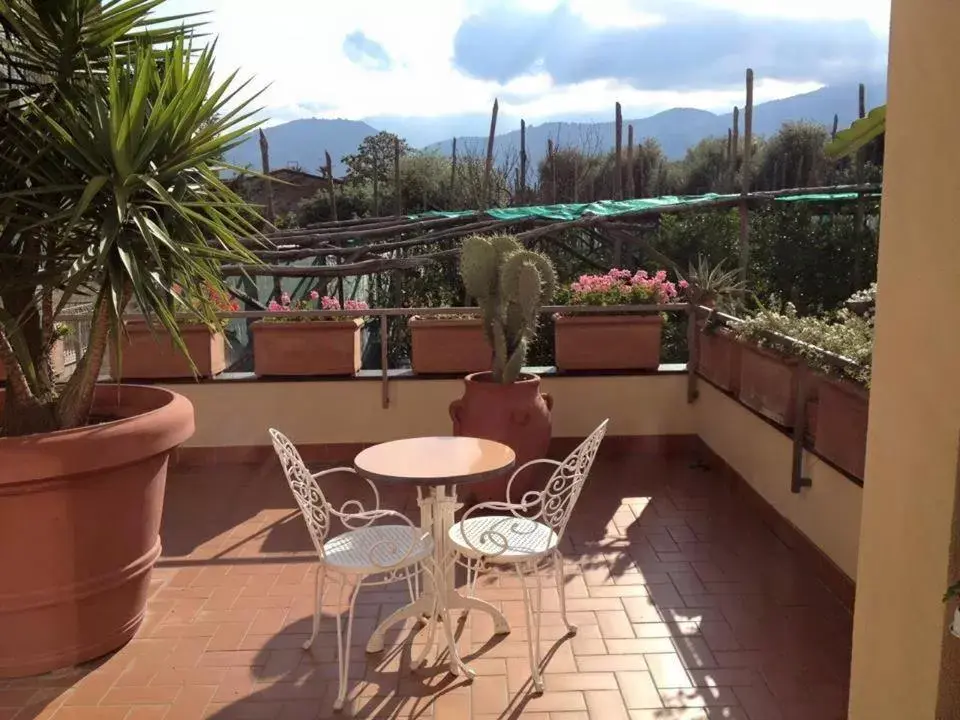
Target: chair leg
x: 318, y: 609
x: 531, y: 602
x: 343, y: 648
x: 562, y: 591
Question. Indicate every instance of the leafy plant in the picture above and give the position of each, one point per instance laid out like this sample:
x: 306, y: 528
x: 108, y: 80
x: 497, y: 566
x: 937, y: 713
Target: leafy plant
x: 842, y: 333
x: 711, y: 285
x: 109, y: 188
x: 510, y: 284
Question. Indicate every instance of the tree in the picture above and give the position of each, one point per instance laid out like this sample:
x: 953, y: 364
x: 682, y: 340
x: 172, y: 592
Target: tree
x: 374, y: 158
x: 109, y: 189
x: 794, y: 158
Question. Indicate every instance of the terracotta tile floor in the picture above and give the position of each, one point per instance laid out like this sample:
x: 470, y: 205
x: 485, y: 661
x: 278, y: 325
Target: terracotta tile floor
x: 688, y: 608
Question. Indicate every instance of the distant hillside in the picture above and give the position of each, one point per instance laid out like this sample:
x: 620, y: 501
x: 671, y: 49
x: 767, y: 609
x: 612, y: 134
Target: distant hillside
x: 303, y: 142
x: 679, y: 129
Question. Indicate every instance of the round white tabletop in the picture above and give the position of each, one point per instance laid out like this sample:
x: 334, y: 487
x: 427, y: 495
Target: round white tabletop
x: 435, y: 460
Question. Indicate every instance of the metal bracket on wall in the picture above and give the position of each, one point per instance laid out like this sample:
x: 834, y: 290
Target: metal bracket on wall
x: 798, y: 480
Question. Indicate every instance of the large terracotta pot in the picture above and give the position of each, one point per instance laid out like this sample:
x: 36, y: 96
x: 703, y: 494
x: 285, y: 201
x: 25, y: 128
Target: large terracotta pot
x: 769, y: 383
x: 607, y: 342
x: 320, y: 347
x: 719, y: 360
x: 448, y: 346
x: 149, y: 354
x: 517, y: 415
x: 79, y: 528
x: 842, y: 424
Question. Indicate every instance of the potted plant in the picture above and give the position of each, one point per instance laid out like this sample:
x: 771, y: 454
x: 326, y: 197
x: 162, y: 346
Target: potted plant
x: 448, y: 344
x: 769, y: 372
x: 109, y: 190
x: 149, y: 353
x: 510, y: 284
x: 297, y: 346
x: 717, y: 289
x: 612, y: 342
x: 843, y: 389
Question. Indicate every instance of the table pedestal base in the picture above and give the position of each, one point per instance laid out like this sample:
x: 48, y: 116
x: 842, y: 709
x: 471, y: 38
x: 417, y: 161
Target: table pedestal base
x: 440, y: 597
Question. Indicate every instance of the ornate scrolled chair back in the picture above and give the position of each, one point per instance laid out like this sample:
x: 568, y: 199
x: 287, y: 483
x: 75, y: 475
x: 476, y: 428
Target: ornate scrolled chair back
x: 310, y: 499
x: 563, y: 489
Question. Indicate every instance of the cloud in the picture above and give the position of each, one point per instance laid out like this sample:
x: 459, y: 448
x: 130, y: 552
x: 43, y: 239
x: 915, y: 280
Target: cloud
x: 688, y: 47
x: 365, y: 52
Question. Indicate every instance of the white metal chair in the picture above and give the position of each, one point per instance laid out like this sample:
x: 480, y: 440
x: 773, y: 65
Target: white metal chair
x: 364, y: 554
x: 527, y: 535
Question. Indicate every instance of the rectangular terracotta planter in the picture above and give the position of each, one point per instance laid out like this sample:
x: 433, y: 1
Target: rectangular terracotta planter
x: 769, y: 383
x: 448, y: 346
x: 321, y: 347
x: 842, y: 424
x: 607, y: 342
x: 719, y: 360
x: 151, y: 354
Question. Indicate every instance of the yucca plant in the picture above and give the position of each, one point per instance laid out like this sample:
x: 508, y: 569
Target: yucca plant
x: 113, y: 130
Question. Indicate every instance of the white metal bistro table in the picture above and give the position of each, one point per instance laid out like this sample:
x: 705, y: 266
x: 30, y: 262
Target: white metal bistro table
x: 437, y: 465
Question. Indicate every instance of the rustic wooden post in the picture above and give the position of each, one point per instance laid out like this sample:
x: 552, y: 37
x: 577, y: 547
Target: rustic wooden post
x: 328, y: 168
x: 376, y: 184
x: 631, y: 191
x: 553, y: 169
x: 836, y: 125
x: 269, y: 212
x: 453, y: 171
x: 523, y: 161
x: 693, y: 352
x: 576, y: 176
x: 618, y: 159
x: 859, y: 210
x: 396, y: 176
x: 745, y: 179
x: 736, y: 147
x: 488, y: 166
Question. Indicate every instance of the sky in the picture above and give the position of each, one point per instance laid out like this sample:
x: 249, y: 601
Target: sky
x: 543, y: 59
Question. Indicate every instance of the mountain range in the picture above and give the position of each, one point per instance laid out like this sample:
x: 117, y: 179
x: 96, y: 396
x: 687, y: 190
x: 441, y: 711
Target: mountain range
x: 303, y: 142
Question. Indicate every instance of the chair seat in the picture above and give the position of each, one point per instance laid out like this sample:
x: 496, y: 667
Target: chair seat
x: 503, y: 538
x: 377, y: 548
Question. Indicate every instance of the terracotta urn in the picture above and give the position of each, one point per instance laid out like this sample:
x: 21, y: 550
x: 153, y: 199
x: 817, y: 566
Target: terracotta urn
x: 516, y: 414
x: 79, y: 528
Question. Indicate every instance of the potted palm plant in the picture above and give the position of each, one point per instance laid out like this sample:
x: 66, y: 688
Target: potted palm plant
x: 109, y: 191
x: 511, y: 285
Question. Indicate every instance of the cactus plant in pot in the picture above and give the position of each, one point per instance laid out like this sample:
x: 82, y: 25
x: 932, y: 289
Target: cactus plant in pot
x: 511, y: 285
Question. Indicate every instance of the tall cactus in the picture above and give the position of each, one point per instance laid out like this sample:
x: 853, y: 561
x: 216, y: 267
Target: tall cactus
x: 510, y: 284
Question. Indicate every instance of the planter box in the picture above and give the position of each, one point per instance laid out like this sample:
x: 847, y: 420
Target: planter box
x: 57, y: 360
x: 151, y: 355
x: 611, y: 342
x: 304, y: 349
x: 719, y: 360
x: 842, y: 424
x: 769, y: 383
x: 448, y: 346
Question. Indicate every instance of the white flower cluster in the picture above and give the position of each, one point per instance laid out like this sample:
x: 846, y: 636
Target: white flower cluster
x: 841, y: 333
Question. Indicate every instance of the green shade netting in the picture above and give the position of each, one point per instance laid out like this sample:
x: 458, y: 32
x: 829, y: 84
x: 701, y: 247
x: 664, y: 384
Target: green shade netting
x: 612, y: 208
